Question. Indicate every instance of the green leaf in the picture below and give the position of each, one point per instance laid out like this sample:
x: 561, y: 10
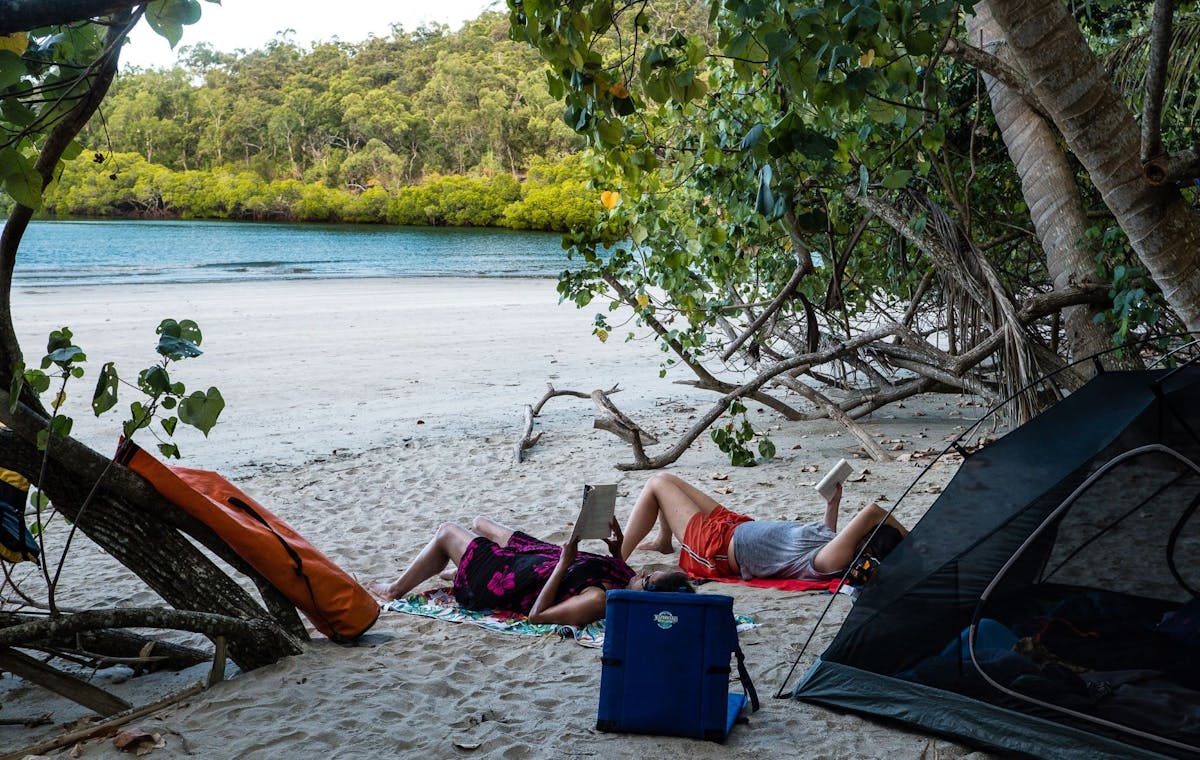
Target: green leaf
x: 168, y: 17
x: 15, y: 111
x: 766, y: 448
x: 897, y: 179
x: 105, y: 396
x: 752, y: 137
x: 21, y: 180
x: 933, y: 138
x: 38, y: 499
x: 154, y: 381
x: 169, y: 423
x: 177, y: 348
x: 921, y: 42
x: 169, y: 450
x: 139, y: 417
x: 72, y: 151
x: 14, y: 386
x: 66, y: 355
x: 61, y: 425
x: 200, y: 410
x: 12, y: 68
x: 39, y: 381
x: 764, y: 199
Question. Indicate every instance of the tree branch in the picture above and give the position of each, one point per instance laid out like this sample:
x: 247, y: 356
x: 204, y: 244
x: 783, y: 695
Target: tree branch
x: 996, y: 68
x: 24, y: 15
x: 1156, y: 77
x: 207, y: 623
x: 1174, y: 168
x: 803, y: 267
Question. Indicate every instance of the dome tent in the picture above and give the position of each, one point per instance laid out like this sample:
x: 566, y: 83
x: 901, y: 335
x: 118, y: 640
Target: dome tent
x: 1047, y: 602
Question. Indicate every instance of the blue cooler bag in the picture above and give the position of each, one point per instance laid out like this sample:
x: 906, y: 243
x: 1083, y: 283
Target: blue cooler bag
x: 665, y: 665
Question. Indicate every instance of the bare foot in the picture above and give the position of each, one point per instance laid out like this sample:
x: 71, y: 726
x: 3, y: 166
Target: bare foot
x: 661, y: 544
x: 380, y: 589
x: 449, y: 573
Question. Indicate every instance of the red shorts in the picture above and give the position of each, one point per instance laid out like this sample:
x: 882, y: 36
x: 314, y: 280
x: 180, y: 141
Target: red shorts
x: 705, y: 552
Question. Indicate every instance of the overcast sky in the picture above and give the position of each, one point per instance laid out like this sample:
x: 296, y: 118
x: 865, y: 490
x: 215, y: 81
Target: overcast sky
x: 250, y: 24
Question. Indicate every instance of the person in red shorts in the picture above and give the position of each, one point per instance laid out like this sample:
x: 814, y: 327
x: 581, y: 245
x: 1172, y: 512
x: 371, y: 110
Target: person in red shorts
x: 719, y: 543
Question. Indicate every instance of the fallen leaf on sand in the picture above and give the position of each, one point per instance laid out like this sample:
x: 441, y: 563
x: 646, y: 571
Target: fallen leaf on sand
x: 719, y: 476
x: 462, y: 744
x: 723, y: 489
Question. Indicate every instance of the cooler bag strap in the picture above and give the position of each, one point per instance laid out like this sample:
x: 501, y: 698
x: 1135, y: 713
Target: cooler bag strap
x: 744, y: 677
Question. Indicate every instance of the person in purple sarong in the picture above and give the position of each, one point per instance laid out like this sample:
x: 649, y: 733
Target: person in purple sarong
x: 499, y: 568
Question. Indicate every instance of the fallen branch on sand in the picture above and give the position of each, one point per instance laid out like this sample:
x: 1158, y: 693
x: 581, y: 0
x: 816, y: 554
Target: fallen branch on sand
x: 608, y: 417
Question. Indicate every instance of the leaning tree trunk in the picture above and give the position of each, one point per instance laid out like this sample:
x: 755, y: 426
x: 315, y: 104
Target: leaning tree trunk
x: 121, y: 517
x: 1073, y: 89
x: 1048, y: 185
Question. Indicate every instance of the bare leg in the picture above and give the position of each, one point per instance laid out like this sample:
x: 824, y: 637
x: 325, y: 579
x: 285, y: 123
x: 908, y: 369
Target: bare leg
x: 447, y: 545
x: 489, y: 528
x: 837, y: 555
x: 668, y: 501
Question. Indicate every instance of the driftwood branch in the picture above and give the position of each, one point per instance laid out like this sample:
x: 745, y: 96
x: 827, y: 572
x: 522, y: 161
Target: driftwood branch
x: 613, y: 420
x: 529, y: 438
x: 63, y: 684
x: 104, y: 727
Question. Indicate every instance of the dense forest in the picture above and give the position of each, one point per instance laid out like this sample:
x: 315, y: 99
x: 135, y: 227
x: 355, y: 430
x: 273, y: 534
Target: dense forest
x: 421, y: 127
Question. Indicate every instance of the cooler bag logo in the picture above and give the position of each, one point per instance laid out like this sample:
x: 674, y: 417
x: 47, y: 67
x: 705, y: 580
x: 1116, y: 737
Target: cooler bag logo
x: 665, y: 619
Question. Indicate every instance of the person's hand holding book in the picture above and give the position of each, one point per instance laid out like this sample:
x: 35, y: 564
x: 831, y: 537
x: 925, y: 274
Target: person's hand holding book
x: 615, y: 538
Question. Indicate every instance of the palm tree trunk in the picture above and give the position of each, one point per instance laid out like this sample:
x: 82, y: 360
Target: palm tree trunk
x: 1048, y: 185
x: 1074, y: 90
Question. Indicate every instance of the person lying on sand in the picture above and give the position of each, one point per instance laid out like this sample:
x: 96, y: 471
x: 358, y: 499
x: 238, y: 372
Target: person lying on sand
x: 504, y: 569
x: 719, y: 543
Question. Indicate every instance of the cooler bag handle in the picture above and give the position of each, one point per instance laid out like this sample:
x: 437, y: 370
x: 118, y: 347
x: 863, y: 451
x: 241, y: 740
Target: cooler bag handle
x: 744, y: 677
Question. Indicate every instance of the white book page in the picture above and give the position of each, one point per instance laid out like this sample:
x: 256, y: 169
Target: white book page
x: 599, y: 505
x: 840, y: 472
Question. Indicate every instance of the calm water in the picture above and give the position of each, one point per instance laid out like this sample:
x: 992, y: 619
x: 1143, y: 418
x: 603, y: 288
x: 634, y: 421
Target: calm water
x: 99, y: 252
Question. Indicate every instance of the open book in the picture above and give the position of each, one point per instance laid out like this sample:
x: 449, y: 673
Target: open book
x: 599, y: 504
x: 840, y: 472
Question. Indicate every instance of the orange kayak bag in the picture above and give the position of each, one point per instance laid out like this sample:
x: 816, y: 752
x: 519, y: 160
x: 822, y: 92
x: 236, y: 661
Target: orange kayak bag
x: 333, y: 601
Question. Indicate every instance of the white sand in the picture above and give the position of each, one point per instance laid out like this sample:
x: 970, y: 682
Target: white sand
x: 367, y: 412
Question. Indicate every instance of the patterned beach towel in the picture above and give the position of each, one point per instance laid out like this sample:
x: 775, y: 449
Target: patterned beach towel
x: 439, y: 603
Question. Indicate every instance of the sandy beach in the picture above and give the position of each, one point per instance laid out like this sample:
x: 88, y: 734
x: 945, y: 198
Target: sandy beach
x: 365, y: 413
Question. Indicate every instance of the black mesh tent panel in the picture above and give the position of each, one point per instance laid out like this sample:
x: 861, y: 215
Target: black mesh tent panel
x: 996, y: 498
x: 929, y: 589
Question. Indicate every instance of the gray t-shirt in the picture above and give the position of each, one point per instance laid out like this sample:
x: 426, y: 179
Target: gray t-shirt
x: 780, y: 549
